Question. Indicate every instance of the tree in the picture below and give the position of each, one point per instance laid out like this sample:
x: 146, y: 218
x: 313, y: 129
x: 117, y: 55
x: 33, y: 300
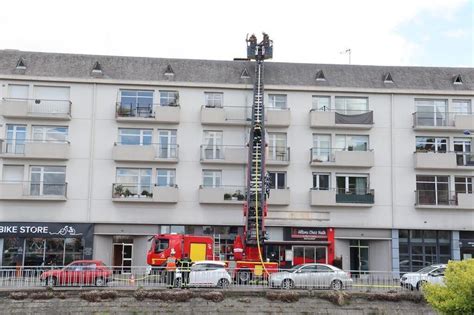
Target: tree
x: 456, y: 294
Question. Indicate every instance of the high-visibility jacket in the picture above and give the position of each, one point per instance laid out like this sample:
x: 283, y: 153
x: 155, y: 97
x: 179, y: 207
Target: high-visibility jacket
x: 171, y: 264
x: 185, y: 264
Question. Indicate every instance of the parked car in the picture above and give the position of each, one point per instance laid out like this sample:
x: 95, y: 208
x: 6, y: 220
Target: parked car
x: 431, y: 274
x: 79, y: 272
x: 206, y: 273
x: 311, y: 275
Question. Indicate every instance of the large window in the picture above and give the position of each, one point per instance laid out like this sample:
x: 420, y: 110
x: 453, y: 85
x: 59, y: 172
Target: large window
x: 423, y: 248
x: 129, y: 136
x: 463, y: 184
x: 212, y: 178
x: 165, y: 177
x: 277, y: 146
x: 167, y: 144
x: 277, y: 180
x: 431, y: 144
x: 352, y: 105
x: 213, y: 99
x: 169, y: 98
x: 322, y: 150
x: 431, y: 112
x: 50, y: 133
x: 16, y: 137
x: 212, y: 147
x: 433, y: 190
x: 321, y: 181
x: 321, y: 103
x: 135, y: 180
x: 352, y: 184
x: 277, y: 101
x: 461, y: 107
x: 136, y: 103
x: 462, y: 147
x: 18, y: 91
x: 352, y: 142
x: 48, y: 180
x: 51, y: 100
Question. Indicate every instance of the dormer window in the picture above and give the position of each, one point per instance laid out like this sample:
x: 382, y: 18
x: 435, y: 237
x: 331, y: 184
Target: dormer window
x: 169, y: 72
x: 97, y: 68
x: 320, y: 76
x: 457, y: 79
x: 21, y: 65
x: 388, y: 78
x: 244, y: 74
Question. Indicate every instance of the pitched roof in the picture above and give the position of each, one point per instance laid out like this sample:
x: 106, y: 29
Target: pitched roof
x: 73, y: 66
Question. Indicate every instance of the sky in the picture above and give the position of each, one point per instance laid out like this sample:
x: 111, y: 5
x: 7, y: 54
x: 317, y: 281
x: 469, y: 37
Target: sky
x: 378, y: 32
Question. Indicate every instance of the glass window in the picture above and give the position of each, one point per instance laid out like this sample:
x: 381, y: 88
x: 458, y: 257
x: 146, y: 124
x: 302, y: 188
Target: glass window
x: 462, y: 147
x: 18, y: 91
x: 135, y: 181
x: 136, y: 103
x: 74, y: 250
x: 352, y: 142
x: 212, y: 148
x: 433, y: 190
x: 277, y: 150
x: 169, y: 98
x: 34, y: 251
x: 166, y: 177
x: 461, y: 107
x: 463, y: 185
x: 13, y: 173
x: 431, y: 144
x: 321, y: 103
x: 213, y: 99
x: 352, y: 184
x: 322, y: 150
x: 48, y: 180
x: 431, y: 112
x: 212, y: 178
x: 352, y: 105
x: 16, y: 138
x: 167, y: 147
x: 161, y: 245
x: 277, y: 101
x: 129, y: 136
x: 50, y: 133
x: 12, y: 251
x: 321, y: 181
x: 277, y: 180
x: 403, y: 235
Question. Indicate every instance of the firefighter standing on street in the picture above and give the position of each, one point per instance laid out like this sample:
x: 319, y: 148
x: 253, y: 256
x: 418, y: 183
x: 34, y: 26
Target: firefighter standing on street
x: 171, y: 269
x: 185, y: 268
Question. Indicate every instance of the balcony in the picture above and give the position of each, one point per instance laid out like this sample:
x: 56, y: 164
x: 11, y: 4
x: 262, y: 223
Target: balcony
x: 241, y: 116
x: 444, y: 160
x: 36, y: 191
x: 431, y: 121
x: 443, y: 199
x: 145, y: 153
x: 144, y: 193
x: 279, y: 197
x: 342, y: 198
x: 223, y: 154
x: 35, y: 149
x: 351, y: 119
x: 222, y: 195
x: 278, y: 156
x: 341, y: 158
x: 153, y: 113
x: 36, y: 108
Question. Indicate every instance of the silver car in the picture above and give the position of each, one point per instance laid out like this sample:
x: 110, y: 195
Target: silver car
x: 320, y: 276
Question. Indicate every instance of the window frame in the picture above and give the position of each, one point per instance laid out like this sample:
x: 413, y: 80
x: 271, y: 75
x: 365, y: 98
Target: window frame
x: 273, y: 102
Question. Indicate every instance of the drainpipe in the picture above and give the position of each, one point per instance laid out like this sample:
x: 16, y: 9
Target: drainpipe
x: 91, y: 152
x: 395, y: 241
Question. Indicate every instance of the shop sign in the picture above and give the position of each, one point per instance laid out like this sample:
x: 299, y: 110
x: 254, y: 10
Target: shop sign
x: 466, y: 243
x: 309, y: 233
x: 43, y: 229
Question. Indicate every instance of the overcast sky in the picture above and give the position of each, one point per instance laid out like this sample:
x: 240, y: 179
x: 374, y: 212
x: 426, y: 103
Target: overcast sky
x: 379, y: 32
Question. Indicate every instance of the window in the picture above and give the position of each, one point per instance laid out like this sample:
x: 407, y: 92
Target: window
x: 277, y: 150
x: 161, y: 245
x: 277, y: 101
x: 321, y: 103
x: 213, y: 99
x: 463, y: 185
x: 48, y: 180
x: 16, y: 137
x: 352, y: 105
x: 352, y: 184
x: 166, y: 177
x: 321, y: 151
x: 212, y: 178
x: 352, y: 143
x: 128, y: 136
x: 169, y: 98
x: 51, y: 100
x: 212, y: 148
x: 136, y: 103
x: 431, y: 144
x: 13, y: 173
x: 135, y: 180
x: 461, y: 107
x: 431, y: 112
x: 277, y: 180
x: 50, y: 133
x: 321, y: 181
x: 18, y: 91
x: 167, y: 147
x: 432, y: 190
x: 462, y: 147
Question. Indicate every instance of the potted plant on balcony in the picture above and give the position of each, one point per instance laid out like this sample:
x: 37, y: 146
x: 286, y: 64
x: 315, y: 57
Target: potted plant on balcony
x: 240, y: 197
x: 227, y: 196
x: 146, y: 194
x: 118, y: 191
x: 127, y: 193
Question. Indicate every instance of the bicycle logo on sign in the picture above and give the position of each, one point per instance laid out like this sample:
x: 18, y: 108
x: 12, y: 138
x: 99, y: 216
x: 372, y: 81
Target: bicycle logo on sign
x: 66, y: 230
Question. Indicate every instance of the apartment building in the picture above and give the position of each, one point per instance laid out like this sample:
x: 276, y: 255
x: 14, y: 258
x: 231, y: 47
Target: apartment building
x: 371, y: 167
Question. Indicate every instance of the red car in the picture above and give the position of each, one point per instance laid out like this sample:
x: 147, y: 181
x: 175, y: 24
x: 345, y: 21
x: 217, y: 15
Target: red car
x: 79, y: 272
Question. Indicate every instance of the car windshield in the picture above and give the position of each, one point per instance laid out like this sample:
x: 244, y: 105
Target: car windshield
x: 427, y: 269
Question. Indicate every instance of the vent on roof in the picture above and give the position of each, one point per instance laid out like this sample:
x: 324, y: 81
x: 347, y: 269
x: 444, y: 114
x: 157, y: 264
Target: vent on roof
x: 97, y: 69
x: 387, y: 78
x: 320, y: 76
x: 21, y: 65
x: 169, y: 71
x: 457, y: 79
x: 244, y: 74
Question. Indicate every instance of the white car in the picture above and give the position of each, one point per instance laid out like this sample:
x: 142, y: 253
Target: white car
x: 207, y: 273
x: 431, y: 274
x: 311, y: 275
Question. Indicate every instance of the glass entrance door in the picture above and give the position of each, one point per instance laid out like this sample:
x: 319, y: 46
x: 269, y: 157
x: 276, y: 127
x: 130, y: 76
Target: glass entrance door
x: 359, y: 256
x: 309, y: 254
x: 213, y: 145
x: 16, y: 137
x: 123, y: 256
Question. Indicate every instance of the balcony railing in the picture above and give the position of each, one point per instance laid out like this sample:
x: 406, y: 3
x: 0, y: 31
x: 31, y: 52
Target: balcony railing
x: 318, y: 154
x: 160, y: 151
x: 236, y: 153
x: 222, y: 194
x: 242, y: 115
x: 444, y: 159
x: 32, y: 190
x: 40, y: 107
x: 437, y: 197
x: 355, y: 195
x: 340, y: 117
x: 141, y: 111
x: 437, y: 119
x: 20, y: 147
x: 278, y: 154
x: 144, y: 192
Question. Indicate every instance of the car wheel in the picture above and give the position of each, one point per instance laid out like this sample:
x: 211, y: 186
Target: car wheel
x: 420, y: 284
x: 243, y: 277
x: 336, y: 285
x: 100, y: 282
x: 51, y: 282
x: 287, y: 284
x: 223, y: 283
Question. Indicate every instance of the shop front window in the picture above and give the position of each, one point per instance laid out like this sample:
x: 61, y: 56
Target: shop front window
x: 12, y: 251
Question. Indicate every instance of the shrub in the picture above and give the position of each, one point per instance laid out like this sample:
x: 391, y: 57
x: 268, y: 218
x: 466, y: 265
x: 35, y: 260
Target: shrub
x: 42, y: 295
x: 213, y: 296
x: 18, y: 295
x: 97, y: 295
x: 337, y: 297
x: 287, y: 297
x: 455, y: 296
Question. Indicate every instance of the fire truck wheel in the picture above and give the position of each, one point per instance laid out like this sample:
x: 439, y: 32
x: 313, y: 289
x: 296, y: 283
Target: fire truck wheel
x: 244, y: 277
x: 223, y: 283
x: 287, y: 284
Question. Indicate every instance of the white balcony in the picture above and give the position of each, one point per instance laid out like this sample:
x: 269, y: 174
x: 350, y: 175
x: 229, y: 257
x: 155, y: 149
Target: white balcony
x: 36, y: 191
x: 36, y: 108
x: 443, y: 199
x: 145, y: 153
x: 35, y: 149
x: 277, y: 117
x: 148, y: 114
x: 341, y: 198
x: 241, y: 116
x: 444, y: 160
x: 224, y: 154
x: 431, y: 121
x: 341, y: 120
x: 278, y: 156
x: 279, y: 197
x: 323, y: 157
x: 144, y: 194
x: 222, y: 195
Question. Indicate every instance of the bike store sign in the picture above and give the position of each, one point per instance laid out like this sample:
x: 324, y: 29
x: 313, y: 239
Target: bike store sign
x: 44, y: 229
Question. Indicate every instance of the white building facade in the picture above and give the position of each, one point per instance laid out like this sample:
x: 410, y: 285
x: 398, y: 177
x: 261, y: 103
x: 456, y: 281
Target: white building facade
x: 372, y: 167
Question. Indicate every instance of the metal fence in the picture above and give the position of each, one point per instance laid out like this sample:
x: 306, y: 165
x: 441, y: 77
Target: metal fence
x: 134, y: 277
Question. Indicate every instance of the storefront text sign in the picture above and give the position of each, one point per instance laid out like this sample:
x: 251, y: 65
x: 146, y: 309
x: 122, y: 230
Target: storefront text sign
x: 42, y: 229
x: 309, y: 233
